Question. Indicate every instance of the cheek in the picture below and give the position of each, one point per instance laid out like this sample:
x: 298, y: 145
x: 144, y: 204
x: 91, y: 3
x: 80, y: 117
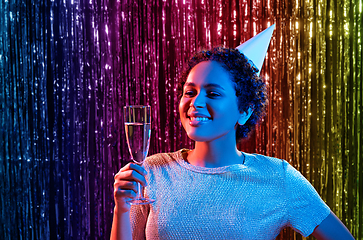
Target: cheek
x: 182, y: 112
x: 181, y: 107
x: 227, y: 112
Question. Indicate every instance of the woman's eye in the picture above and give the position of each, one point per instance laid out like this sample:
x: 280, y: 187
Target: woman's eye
x: 192, y: 93
x: 214, y: 94
x: 188, y: 93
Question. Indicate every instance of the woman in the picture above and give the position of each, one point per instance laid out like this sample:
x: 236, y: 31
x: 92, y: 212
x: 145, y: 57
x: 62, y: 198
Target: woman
x: 215, y: 191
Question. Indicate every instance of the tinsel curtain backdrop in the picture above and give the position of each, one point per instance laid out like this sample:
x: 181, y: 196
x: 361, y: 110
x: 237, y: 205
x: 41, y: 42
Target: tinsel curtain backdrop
x: 68, y: 67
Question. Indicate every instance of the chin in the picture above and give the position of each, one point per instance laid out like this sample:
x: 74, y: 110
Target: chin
x: 198, y: 138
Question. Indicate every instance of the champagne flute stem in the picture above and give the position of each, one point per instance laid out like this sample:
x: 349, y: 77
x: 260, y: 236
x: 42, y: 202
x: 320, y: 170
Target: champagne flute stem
x: 140, y: 194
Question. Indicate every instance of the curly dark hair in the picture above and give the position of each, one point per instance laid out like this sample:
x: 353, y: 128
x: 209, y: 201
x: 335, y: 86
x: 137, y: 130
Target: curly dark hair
x: 250, y: 88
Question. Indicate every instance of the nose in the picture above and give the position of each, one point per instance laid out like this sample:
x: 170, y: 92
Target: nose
x: 198, y: 101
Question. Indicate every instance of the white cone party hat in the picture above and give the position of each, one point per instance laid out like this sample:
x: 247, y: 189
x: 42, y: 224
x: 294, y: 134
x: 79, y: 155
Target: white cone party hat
x: 255, y: 48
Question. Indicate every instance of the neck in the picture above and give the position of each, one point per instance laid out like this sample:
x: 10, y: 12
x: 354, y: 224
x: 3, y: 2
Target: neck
x: 213, y: 154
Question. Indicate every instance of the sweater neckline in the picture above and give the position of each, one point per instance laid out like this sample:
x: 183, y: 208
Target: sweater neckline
x: 216, y: 170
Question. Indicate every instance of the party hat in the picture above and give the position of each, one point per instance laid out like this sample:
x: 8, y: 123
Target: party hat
x: 255, y: 48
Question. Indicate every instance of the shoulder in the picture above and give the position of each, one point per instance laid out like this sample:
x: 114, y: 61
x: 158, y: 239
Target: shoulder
x: 266, y: 163
x: 290, y: 173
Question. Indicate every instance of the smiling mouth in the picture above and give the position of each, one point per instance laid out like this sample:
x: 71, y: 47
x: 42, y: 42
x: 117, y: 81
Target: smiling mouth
x: 199, y: 119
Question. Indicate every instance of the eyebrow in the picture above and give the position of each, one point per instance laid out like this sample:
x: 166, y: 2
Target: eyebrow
x: 187, y: 84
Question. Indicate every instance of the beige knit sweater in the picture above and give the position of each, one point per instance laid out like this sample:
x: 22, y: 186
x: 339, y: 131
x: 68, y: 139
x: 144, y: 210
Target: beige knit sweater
x: 253, y: 200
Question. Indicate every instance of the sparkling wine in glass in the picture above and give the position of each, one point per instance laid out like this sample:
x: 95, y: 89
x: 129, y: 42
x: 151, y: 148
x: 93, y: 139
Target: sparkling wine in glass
x: 138, y: 130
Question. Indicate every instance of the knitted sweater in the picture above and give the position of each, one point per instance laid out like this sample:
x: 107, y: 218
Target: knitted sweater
x: 253, y: 200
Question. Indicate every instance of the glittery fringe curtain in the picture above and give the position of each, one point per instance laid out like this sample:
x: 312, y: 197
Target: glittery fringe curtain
x: 67, y: 68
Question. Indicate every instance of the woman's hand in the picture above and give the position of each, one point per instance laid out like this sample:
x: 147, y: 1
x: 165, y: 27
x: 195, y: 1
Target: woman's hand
x: 125, y: 186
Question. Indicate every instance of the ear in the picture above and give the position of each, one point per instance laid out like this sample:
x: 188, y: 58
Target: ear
x: 245, y: 116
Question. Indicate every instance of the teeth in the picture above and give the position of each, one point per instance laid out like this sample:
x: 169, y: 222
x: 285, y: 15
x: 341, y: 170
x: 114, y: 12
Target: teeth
x: 200, y: 119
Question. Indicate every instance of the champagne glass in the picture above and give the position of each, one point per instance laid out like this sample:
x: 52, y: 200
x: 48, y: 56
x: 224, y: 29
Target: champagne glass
x: 138, y: 130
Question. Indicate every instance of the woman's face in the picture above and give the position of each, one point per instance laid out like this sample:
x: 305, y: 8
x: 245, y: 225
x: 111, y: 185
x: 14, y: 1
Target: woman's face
x: 208, y: 108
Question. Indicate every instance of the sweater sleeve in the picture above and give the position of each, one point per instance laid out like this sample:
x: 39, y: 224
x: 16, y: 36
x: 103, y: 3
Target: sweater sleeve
x: 306, y: 209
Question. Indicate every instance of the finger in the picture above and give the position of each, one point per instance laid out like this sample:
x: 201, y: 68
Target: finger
x: 126, y: 185
x: 136, y: 167
x: 121, y: 194
x: 131, y: 175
